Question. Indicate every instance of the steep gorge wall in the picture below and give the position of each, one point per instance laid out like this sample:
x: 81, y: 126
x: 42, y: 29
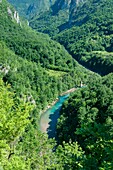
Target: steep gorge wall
x: 28, y: 8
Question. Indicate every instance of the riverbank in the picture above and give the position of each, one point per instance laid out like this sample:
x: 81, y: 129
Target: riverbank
x: 48, y: 120
x: 49, y: 106
x: 68, y: 91
x: 55, y: 101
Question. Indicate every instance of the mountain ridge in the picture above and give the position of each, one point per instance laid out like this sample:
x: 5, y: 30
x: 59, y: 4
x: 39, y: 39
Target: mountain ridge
x: 59, y: 17
x: 28, y: 8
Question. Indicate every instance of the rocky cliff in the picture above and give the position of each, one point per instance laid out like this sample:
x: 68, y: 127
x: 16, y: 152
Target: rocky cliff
x: 14, y: 15
x: 70, y: 6
x: 58, y: 18
x: 28, y: 8
x: 48, y: 16
x: 65, y: 4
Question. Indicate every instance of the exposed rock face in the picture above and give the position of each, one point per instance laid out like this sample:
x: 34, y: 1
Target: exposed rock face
x: 9, y: 12
x: 4, y: 69
x: 69, y: 6
x: 39, y: 6
x: 14, y: 15
x: 59, y: 17
x: 28, y: 8
x: 73, y: 7
x: 65, y: 4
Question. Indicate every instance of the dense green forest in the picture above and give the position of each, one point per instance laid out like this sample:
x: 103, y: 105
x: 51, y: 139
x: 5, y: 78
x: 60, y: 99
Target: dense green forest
x: 38, y: 69
x: 50, y: 21
x: 88, y: 115
x: 86, y: 31
x: 36, y: 62
x: 89, y: 41
x: 57, y: 18
x: 31, y: 45
x: 34, y: 71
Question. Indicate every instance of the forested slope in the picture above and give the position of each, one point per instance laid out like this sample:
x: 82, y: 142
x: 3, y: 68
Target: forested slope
x: 37, y: 58
x: 38, y: 69
x: 90, y: 39
x: 31, y: 45
x: 87, y: 118
x: 84, y: 28
x: 57, y: 18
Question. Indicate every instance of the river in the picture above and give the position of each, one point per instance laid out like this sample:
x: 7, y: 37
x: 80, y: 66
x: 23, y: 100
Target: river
x: 48, y: 119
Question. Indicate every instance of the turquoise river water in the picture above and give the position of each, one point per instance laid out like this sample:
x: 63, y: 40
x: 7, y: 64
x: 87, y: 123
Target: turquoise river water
x: 48, y: 119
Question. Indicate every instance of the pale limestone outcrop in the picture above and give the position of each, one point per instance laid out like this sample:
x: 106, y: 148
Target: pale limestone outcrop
x: 14, y: 15
x: 9, y: 12
x: 4, y: 69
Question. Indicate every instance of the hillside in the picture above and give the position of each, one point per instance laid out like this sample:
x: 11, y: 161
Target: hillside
x: 84, y: 28
x: 38, y: 70
x: 88, y: 115
x: 57, y: 18
x: 31, y: 45
x: 35, y: 70
x: 28, y: 8
x: 90, y: 40
x: 57, y: 69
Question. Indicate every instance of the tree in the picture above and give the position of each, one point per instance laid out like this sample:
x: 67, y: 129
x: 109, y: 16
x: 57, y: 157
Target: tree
x: 14, y: 117
x: 70, y: 156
